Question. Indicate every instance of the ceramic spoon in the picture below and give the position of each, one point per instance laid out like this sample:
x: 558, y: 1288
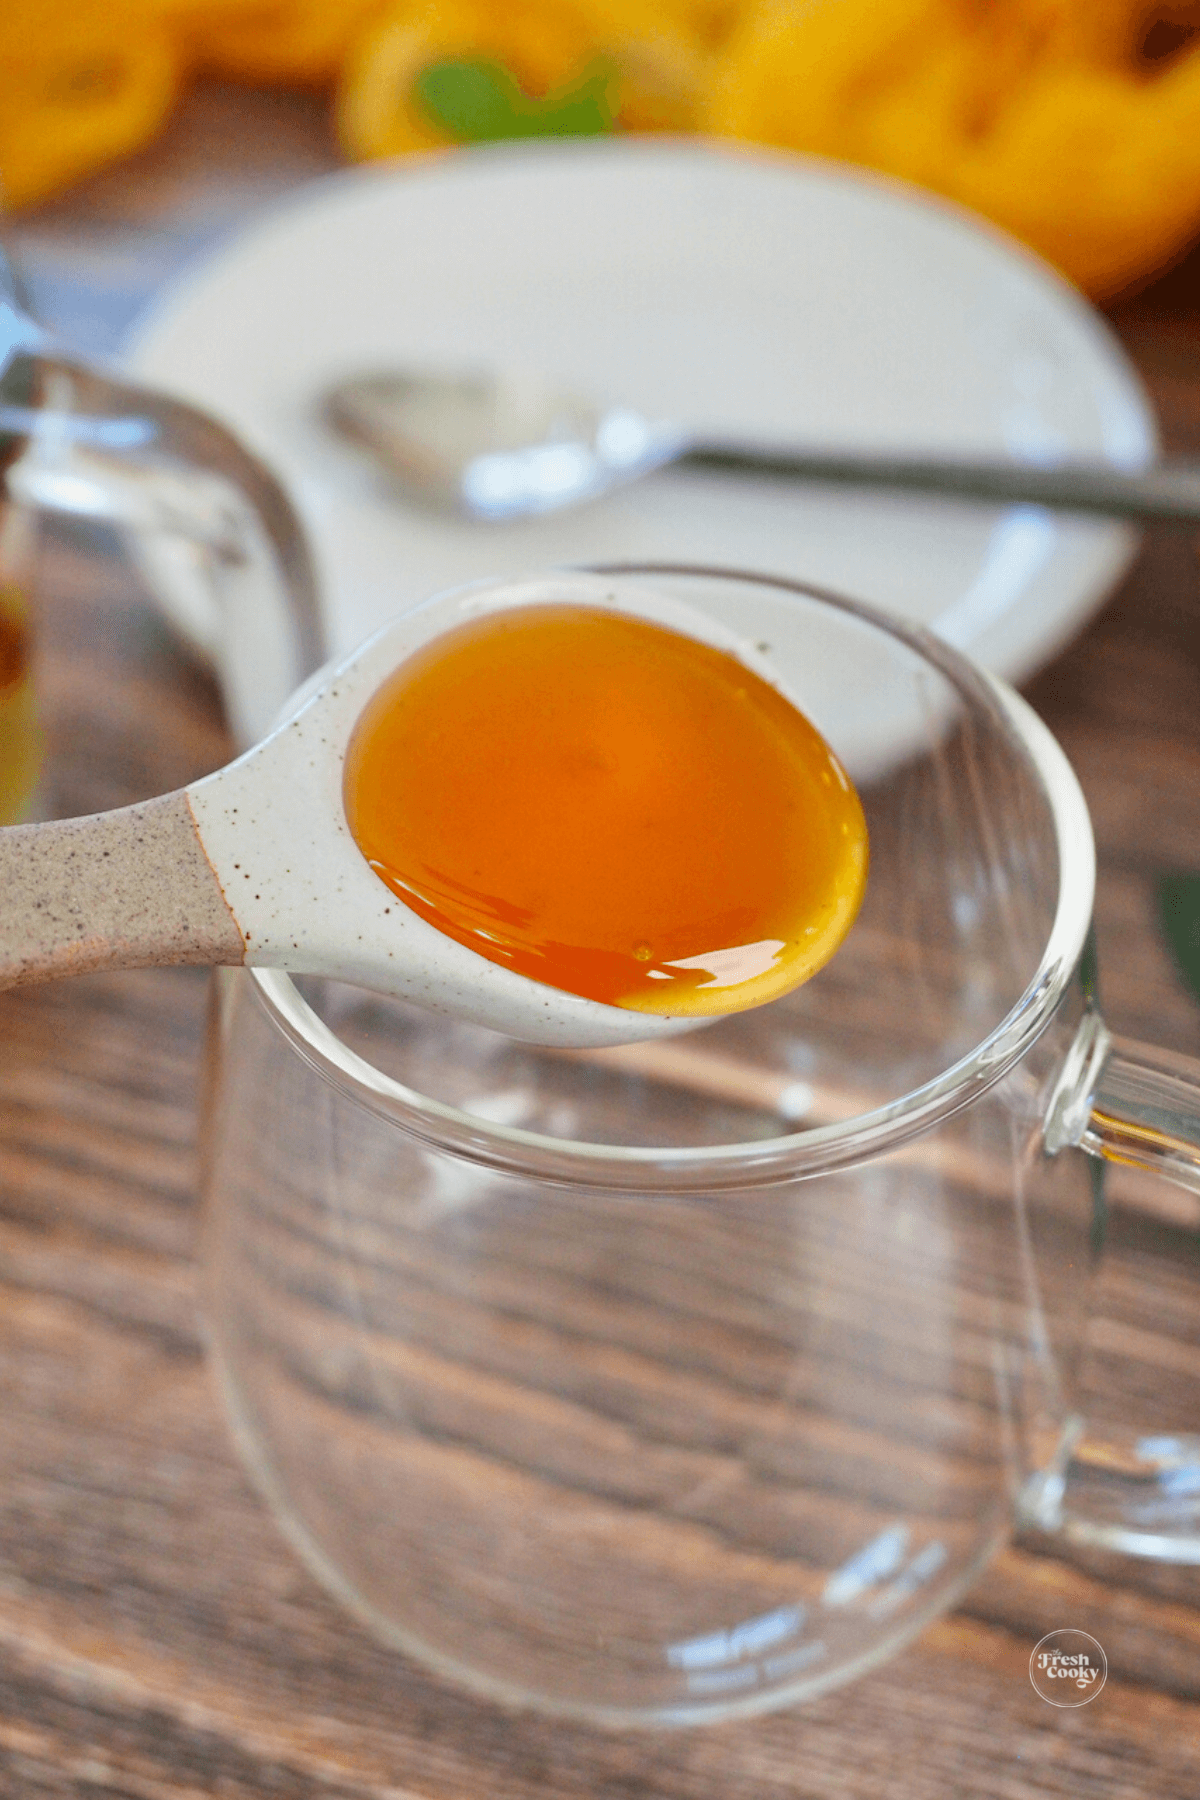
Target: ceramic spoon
x: 498, y: 447
x: 256, y: 864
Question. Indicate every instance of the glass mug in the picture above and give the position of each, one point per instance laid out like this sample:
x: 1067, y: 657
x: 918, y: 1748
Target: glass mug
x: 673, y: 1382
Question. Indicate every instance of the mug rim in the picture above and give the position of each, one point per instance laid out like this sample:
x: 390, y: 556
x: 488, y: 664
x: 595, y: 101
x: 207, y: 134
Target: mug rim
x: 798, y: 1154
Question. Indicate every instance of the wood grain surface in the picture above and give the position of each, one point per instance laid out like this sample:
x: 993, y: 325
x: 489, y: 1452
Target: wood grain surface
x: 157, y: 1637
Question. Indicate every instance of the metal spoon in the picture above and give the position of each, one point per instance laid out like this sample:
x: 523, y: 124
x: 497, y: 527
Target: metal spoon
x: 256, y: 864
x: 497, y: 446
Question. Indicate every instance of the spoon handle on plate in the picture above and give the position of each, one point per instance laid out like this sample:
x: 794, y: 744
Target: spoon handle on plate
x: 1168, y: 492
x: 129, y: 889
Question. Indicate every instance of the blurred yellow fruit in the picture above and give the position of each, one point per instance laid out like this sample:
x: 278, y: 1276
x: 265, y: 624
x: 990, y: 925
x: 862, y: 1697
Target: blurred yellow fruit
x: 709, y: 22
x: 1075, y: 124
x: 300, y: 41
x: 569, y: 65
x: 1041, y: 114
x: 80, y: 83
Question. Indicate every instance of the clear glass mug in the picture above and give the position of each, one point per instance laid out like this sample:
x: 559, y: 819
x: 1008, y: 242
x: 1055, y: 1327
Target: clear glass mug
x: 673, y: 1382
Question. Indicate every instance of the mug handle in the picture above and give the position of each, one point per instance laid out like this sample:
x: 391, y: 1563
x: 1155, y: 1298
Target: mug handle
x: 1123, y: 1489
x: 218, y: 540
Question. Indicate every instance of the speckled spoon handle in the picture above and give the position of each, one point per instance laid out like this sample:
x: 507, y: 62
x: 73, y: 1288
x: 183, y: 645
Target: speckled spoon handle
x: 119, y: 890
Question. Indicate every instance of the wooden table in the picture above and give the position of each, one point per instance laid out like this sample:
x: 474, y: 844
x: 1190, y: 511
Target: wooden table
x: 157, y: 1637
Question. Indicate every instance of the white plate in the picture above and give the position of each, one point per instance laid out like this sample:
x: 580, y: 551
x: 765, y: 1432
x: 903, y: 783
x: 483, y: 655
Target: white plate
x: 762, y: 295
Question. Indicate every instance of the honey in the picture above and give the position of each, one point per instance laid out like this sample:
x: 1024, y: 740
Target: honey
x: 20, y: 741
x: 609, y: 807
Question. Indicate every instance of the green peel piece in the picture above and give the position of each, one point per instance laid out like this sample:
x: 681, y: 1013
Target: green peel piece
x: 477, y: 101
x: 1179, y: 910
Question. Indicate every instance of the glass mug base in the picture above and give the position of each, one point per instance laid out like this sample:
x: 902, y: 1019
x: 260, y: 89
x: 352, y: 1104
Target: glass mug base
x: 758, y: 1665
x: 680, y: 1383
